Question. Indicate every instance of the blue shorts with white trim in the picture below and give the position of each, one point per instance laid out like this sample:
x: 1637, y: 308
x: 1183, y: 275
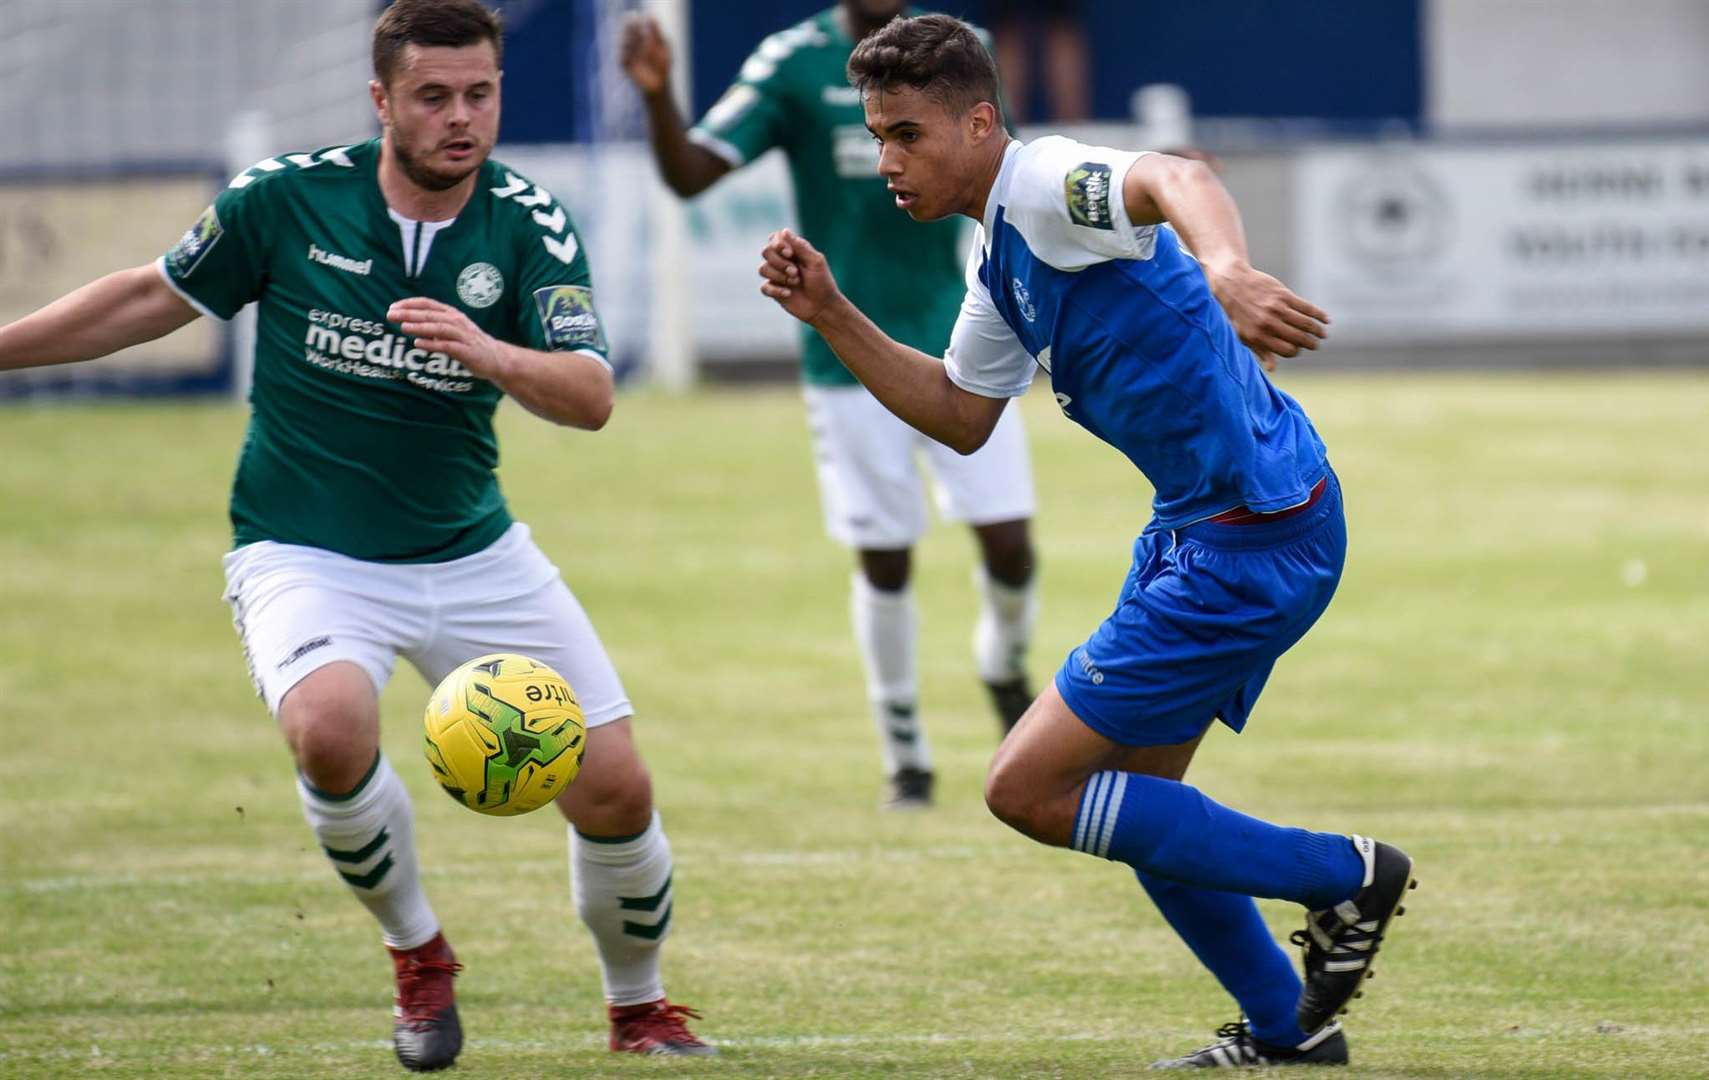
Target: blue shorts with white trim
x: 1201, y: 619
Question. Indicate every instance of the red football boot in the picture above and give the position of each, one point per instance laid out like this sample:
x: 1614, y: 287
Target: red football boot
x: 425, y: 1031
x: 656, y: 1027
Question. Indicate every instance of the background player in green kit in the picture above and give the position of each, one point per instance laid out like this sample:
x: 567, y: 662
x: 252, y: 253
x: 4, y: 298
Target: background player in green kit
x: 793, y: 93
x: 404, y: 285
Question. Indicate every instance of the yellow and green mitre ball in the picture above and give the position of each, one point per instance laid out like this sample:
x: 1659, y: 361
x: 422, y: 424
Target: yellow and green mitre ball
x: 504, y: 734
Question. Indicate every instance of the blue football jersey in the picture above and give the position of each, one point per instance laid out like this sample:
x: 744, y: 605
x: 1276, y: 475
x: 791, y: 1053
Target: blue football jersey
x: 1137, y: 348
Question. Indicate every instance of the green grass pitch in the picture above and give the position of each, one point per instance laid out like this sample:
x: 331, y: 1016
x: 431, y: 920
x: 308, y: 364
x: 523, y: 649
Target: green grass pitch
x: 1512, y: 684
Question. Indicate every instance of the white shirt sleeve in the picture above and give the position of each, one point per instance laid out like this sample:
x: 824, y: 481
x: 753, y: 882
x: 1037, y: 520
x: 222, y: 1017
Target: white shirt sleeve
x: 984, y: 356
x: 1066, y: 200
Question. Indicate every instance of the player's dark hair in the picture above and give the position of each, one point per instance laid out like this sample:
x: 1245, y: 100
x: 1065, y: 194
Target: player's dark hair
x: 451, y: 23
x: 938, y: 55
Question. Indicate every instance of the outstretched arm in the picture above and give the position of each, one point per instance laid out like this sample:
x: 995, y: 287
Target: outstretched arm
x: 112, y: 313
x: 1270, y: 319
x: 908, y: 382
x: 687, y: 167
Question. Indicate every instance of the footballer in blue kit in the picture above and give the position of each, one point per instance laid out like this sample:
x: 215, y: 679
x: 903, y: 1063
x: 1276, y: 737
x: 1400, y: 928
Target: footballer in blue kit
x: 1124, y: 276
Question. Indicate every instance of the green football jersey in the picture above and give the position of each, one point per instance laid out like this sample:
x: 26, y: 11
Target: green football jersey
x: 358, y: 441
x: 794, y: 93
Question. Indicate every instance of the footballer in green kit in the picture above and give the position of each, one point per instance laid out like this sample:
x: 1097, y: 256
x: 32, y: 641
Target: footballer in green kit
x: 793, y: 94
x: 398, y: 464
x: 405, y: 285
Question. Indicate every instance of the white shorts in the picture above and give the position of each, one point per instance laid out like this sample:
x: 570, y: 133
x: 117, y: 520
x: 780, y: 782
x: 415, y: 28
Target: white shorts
x: 869, y: 484
x: 300, y: 608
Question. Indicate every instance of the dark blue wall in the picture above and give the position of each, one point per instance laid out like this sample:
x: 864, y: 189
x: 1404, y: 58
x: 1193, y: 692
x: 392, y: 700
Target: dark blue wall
x: 544, y: 47
x: 1351, y: 65
x: 1354, y: 63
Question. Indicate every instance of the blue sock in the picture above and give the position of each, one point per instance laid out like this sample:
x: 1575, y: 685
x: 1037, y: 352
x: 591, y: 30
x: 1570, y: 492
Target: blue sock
x: 1170, y: 830
x: 1228, y: 936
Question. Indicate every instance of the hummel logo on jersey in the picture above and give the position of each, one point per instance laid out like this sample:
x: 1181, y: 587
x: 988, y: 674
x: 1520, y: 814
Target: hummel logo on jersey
x: 363, y: 267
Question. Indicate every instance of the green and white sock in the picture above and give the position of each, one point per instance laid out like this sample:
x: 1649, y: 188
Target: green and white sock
x: 622, y: 891
x: 369, y: 834
x: 885, y: 626
x: 1004, y: 628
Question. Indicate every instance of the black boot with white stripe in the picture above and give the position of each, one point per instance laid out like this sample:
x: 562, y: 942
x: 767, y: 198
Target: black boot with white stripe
x: 1341, y: 943
x: 1239, y: 1049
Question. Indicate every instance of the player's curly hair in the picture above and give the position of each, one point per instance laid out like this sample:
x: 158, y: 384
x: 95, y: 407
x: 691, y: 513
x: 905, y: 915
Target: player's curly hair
x: 452, y: 23
x: 937, y: 54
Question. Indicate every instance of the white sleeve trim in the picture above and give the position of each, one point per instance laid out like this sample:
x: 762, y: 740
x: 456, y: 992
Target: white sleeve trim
x: 708, y: 141
x: 166, y: 276
x: 984, y: 389
x: 982, y: 346
x: 591, y: 355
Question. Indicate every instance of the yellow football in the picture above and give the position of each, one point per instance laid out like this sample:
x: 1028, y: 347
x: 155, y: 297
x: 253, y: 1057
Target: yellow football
x: 504, y: 734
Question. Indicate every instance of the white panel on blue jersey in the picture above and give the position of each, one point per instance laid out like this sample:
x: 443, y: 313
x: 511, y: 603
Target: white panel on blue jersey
x: 1065, y: 199
x: 984, y: 356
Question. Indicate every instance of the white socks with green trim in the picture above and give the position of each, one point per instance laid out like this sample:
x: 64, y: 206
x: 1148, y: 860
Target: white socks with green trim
x: 369, y: 835
x: 622, y: 891
x: 885, y: 626
x: 1005, y: 627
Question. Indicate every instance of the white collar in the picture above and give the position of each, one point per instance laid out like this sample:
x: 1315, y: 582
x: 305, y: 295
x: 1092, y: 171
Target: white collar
x: 417, y: 239
x: 430, y: 226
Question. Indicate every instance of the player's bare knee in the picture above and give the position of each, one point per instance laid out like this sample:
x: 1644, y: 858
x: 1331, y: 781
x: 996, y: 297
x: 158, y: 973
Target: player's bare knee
x: 332, y: 752
x: 330, y: 723
x: 613, y: 796
x: 624, y: 796
x: 1012, y: 566
x: 1007, y: 551
x: 887, y: 569
x: 1028, y: 803
x: 1008, y: 796
x: 335, y: 767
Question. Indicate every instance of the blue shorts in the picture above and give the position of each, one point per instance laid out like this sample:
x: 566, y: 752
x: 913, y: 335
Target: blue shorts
x: 1202, y: 617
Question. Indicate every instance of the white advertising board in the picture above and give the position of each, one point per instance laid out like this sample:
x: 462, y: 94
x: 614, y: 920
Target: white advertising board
x: 1415, y: 242
x: 60, y: 233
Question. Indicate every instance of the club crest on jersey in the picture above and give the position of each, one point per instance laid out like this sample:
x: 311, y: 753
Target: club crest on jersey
x: 568, y: 317
x: 1023, y: 300
x: 480, y: 285
x: 195, y: 244
x: 1088, y: 189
